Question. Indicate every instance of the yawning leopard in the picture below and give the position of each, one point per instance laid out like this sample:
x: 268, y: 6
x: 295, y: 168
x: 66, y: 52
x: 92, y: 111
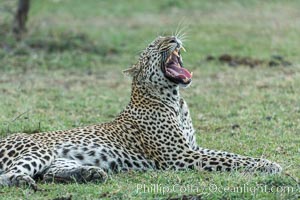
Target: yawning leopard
x: 154, y: 131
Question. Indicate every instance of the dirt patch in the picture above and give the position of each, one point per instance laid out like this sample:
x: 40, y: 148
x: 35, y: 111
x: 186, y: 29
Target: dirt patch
x: 63, y: 198
x: 234, y: 61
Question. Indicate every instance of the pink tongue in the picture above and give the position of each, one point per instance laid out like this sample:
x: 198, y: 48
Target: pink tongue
x: 179, y: 72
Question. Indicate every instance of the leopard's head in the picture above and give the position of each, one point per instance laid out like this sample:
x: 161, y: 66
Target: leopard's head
x: 160, y: 64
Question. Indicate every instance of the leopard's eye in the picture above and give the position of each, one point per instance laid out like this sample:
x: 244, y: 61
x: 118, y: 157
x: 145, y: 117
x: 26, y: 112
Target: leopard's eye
x: 172, y: 41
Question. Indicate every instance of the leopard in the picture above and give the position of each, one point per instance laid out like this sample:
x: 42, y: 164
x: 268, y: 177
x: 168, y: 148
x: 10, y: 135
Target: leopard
x: 153, y: 132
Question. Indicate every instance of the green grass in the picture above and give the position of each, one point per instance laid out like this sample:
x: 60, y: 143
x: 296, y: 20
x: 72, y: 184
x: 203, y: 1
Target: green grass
x: 67, y: 73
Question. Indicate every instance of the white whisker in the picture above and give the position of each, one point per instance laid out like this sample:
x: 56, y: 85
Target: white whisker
x: 181, y: 30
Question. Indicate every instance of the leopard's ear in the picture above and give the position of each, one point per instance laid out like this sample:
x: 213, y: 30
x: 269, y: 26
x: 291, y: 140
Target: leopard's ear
x: 132, y: 71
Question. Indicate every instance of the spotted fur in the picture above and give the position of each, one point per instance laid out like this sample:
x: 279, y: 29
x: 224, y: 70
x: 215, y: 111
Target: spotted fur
x: 154, y: 131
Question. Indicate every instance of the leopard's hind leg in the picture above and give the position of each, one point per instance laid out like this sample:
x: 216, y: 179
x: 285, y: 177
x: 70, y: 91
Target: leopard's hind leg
x: 21, y: 159
x: 64, y: 170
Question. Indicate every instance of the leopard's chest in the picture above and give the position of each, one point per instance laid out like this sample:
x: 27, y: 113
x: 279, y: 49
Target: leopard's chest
x: 186, y: 125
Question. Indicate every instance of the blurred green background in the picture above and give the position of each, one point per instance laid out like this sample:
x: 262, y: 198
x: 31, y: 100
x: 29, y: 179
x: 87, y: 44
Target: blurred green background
x: 67, y: 72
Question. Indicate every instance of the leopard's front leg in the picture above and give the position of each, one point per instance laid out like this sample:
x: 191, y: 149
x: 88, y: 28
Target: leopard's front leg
x: 223, y: 161
x: 211, y: 160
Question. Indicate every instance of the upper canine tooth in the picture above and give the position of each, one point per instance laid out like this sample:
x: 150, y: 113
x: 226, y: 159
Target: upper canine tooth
x: 183, y: 48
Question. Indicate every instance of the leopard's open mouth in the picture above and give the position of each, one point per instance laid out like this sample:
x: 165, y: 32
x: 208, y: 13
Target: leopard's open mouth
x: 174, y: 71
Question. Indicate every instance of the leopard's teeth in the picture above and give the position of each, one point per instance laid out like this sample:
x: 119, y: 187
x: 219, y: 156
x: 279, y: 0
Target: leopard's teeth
x: 176, y: 53
x: 192, y: 74
x: 183, y: 48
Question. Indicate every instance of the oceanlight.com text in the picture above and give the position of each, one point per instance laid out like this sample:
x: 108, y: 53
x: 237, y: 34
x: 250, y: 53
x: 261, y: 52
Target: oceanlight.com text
x: 245, y: 188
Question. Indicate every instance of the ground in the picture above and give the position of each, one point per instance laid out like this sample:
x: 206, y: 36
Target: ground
x: 67, y: 73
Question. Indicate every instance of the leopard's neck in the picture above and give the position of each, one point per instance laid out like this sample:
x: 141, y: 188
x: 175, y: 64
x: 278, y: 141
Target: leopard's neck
x: 168, y: 95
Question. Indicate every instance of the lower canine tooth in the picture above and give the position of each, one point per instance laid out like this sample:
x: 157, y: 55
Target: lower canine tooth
x: 191, y: 74
x: 168, y: 59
